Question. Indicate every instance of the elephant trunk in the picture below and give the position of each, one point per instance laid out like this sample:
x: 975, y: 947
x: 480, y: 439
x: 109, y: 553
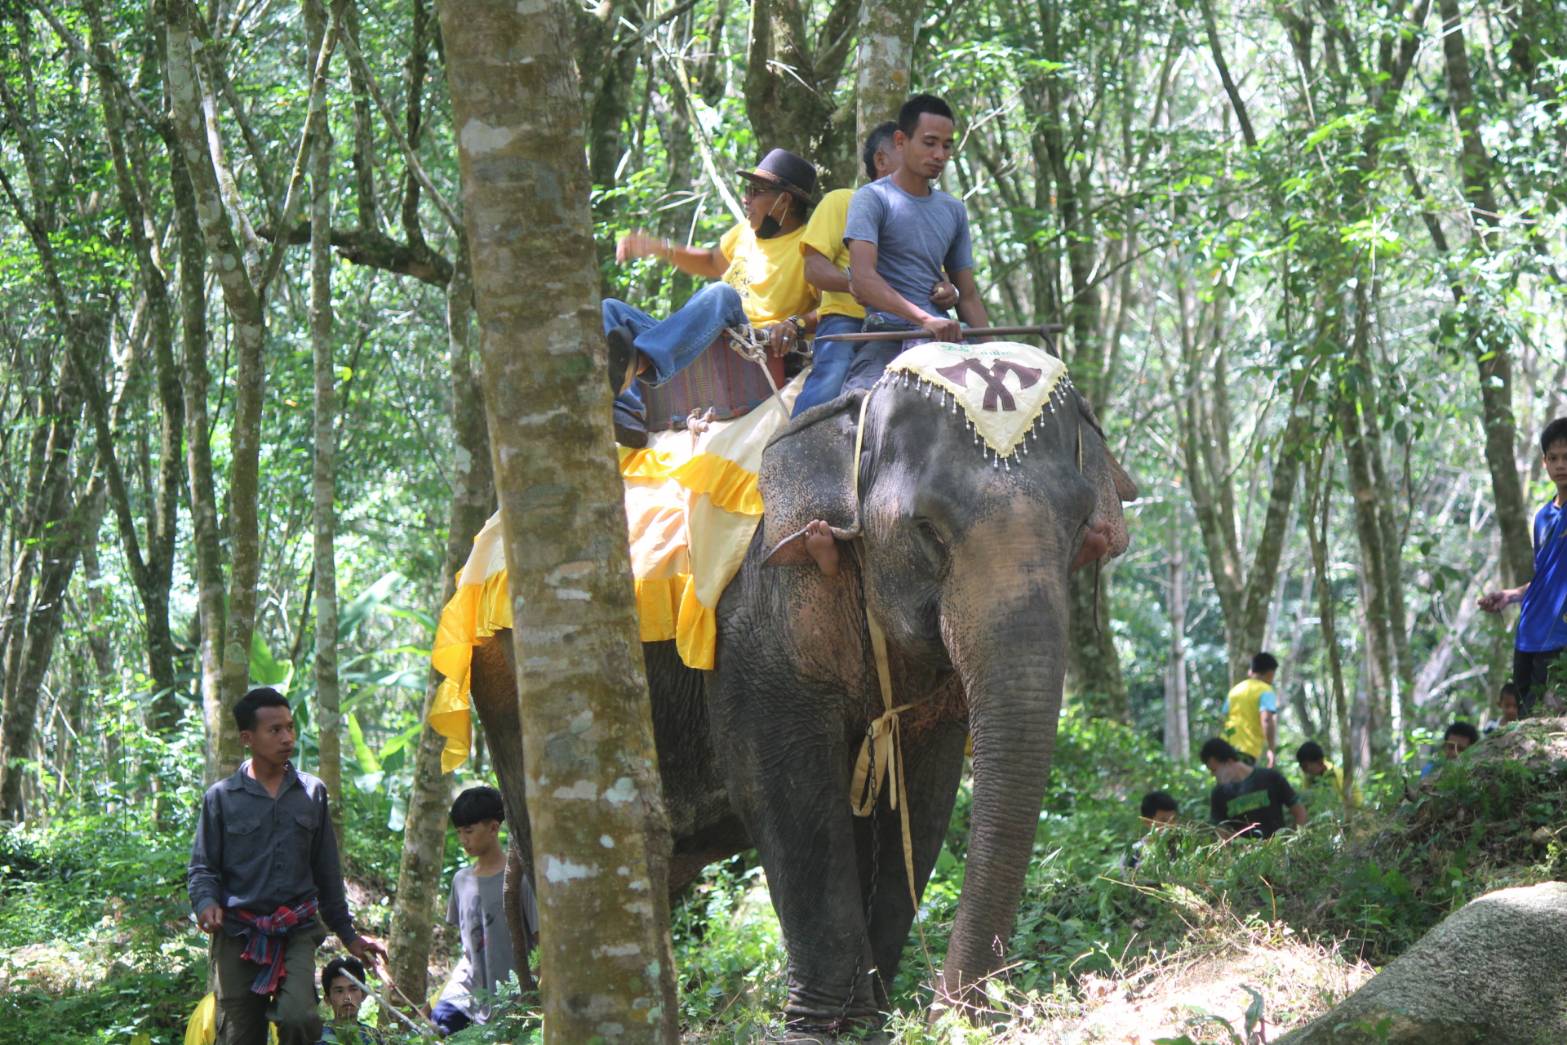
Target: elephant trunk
x: 1012, y: 675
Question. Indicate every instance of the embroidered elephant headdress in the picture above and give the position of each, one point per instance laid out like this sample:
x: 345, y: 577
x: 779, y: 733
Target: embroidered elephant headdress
x: 1003, y: 388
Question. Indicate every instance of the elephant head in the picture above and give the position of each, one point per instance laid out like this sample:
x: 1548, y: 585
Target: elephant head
x: 964, y: 563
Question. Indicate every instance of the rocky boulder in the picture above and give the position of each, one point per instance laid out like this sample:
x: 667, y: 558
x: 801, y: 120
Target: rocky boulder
x: 1490, y: 973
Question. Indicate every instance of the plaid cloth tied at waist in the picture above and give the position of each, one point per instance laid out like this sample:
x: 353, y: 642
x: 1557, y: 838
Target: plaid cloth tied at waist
x: 266, y: 941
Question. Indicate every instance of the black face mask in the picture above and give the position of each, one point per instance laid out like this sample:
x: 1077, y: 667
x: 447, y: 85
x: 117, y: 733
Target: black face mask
x: 770, y: 226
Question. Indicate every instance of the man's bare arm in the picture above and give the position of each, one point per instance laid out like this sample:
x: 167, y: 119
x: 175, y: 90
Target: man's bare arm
x: 877, y: 294
x: 971, y: 307
x: 707, y: 262
x: 1492, y: 602
x: 1270, y: 735
x: 1298, y: 811
x: 823, y: 274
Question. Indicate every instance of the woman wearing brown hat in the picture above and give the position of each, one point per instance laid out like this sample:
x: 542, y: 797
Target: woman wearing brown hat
x: 762, y: 284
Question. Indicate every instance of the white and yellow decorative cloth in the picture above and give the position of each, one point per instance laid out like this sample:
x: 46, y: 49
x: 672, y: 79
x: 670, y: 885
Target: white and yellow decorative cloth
x: 692, y: 506
x: 1003, y: 387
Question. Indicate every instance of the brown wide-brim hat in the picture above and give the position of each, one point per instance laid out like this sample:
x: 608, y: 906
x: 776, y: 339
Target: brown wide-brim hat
x: 784, y: 170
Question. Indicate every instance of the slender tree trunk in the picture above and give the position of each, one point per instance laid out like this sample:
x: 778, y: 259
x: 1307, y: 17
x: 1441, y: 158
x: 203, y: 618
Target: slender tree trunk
x: 1317, y: 512
x: 244, y: 276
x: 329, y: 718
x: 223, y: 748
x: 1488, y: 338
x: 59, y: 548
x: 191, y: 102
x: 602, y: 863
x: 1177, y: 742
x: 153, y: 573
x: 473, y: 496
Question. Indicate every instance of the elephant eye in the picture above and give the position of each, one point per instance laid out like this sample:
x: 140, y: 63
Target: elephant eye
x: 931, y: 544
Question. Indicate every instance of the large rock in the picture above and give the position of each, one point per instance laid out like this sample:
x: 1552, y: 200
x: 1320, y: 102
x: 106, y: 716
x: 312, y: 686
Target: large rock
x: 1492, y: 973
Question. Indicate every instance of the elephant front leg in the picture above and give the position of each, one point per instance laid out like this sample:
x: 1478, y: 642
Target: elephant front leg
x: 789, y: 783
x: 933, y: 764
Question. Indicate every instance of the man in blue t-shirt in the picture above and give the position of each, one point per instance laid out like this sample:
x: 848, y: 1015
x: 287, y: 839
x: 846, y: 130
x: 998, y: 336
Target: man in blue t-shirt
x: 1542, y: 621
x: 905, y: 236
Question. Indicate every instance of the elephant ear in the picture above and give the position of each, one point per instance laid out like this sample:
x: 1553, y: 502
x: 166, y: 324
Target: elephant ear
x: 808, y: 473
x: 1112, y: 485
x: 1125, y: 485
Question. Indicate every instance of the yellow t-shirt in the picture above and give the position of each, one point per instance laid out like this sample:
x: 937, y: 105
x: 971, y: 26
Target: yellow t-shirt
x: 1335, y: 774
x: 1242, y: 714
x: 824, y: 234
x: 769, y: 274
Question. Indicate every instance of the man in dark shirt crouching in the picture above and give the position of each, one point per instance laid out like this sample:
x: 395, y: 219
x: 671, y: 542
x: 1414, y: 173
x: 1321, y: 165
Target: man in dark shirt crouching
x: 1246, y: 799
x: 264, y: 876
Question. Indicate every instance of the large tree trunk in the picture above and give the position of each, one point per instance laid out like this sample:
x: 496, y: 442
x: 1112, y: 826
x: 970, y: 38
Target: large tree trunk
x: 473, y: 495
x: 885, y: 61
x: 601, y: 836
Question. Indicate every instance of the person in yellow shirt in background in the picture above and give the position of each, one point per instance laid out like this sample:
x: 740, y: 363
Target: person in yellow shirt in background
x: 761, y: 284
x: 826, y: 268
x: 1316, y: 769
x: 1251, y: 712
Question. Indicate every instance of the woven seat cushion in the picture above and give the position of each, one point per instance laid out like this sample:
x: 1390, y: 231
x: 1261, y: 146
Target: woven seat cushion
x: 720, y: 378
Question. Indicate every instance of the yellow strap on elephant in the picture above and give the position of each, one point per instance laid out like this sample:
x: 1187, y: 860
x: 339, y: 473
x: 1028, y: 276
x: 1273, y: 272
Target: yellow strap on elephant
x: 881, y: 754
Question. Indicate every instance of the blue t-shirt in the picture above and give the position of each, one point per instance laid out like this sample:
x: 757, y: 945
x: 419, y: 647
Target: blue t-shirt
x: 1541, y: 626
x: 918, y: 238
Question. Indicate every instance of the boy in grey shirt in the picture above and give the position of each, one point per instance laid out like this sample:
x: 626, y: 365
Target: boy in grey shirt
x: 905, y: 236
x: 477, y: 908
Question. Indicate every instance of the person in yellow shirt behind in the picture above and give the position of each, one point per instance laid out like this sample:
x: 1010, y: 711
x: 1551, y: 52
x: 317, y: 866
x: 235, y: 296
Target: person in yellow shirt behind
x: 761, y: 283
x: 1251, y: 712
x: 1317, y: 770
x: 826, y: 269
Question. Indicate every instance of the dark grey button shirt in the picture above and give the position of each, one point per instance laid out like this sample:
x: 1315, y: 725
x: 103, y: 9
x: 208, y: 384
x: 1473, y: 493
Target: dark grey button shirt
x: 261, y: 853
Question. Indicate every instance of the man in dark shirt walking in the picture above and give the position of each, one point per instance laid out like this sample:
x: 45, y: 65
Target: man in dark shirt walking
x: 263, y: 877
x: 1247, y: 799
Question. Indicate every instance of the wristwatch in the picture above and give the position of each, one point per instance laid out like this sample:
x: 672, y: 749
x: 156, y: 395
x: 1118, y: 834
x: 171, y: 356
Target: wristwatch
x: 799, y: 329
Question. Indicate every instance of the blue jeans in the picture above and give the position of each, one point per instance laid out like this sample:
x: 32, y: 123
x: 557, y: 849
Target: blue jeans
x: 829, y: 362
x: 873, y: 356
x: 673, y: 344
x: 449, y: 1018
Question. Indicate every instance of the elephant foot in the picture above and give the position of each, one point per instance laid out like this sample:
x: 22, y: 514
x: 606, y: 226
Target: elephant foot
x: 822, y: 547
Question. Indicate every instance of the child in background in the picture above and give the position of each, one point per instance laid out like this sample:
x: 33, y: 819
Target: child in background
x: 478, y: 911
x: 1158, y: 813
x: 1507, y: 704
x: 340, y: 982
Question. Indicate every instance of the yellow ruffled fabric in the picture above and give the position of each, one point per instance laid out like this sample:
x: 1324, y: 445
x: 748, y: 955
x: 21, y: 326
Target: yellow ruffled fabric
x: 692, y: 505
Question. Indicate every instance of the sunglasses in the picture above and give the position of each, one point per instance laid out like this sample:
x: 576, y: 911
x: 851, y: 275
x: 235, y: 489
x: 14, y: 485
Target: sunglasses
x: 751, y: 190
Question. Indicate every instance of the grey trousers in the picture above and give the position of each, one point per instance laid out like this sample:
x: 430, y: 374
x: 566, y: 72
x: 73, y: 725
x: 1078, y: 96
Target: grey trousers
x: 243, y: 1015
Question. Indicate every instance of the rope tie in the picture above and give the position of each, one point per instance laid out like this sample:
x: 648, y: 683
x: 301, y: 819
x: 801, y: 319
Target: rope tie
x: 750, y: 343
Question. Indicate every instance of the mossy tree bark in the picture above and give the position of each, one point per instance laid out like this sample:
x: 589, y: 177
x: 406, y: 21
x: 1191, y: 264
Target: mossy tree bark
x: 885, y: 60
x: 600, y: 833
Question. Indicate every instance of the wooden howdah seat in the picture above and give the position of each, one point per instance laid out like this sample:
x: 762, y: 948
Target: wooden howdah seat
x: 720, y: 378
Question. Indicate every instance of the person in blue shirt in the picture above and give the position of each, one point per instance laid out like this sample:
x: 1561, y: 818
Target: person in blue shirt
x: 1542, y: 620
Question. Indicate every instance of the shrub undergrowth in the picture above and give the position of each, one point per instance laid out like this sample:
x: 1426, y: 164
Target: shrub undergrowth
x: 98, y: 947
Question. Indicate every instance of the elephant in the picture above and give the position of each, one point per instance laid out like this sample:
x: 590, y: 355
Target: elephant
x: 963, y: 561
